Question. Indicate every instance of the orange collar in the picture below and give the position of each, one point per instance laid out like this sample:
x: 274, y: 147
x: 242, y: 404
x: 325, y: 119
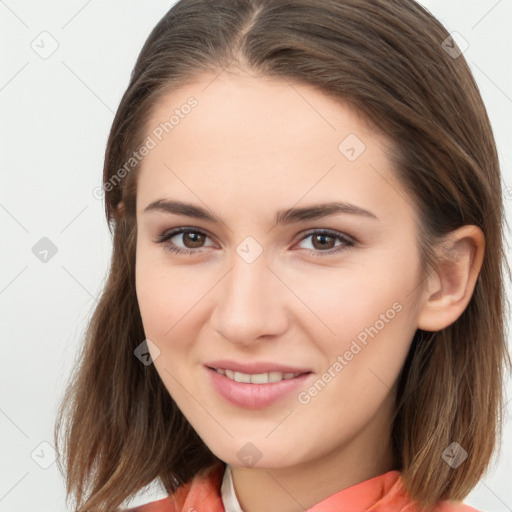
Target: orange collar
x: 383, y: 493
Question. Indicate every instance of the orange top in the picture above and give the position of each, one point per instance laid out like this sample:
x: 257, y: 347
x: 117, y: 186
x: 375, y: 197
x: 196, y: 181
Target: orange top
x: 383, y: 493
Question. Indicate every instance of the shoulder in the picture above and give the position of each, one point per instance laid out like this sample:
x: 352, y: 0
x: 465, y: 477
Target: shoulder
x: 397, y: 499
x: 203, y: 489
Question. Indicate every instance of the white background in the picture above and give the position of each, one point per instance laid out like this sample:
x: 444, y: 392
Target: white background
x: 56, y: 114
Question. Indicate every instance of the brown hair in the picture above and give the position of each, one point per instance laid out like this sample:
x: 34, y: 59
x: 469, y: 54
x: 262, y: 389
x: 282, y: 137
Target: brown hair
x: 121, y: 428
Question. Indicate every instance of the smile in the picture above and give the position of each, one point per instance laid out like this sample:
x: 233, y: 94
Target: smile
x: 256, y: 390
x: 256, y: 378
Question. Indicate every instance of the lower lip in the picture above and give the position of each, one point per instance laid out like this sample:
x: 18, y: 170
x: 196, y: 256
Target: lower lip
x: 254, y: 396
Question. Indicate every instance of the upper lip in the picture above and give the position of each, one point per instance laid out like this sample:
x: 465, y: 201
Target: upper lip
x: 255, y: 367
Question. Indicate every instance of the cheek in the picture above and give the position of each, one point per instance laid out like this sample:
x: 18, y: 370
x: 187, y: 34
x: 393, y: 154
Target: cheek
x: 364, y: 360
x: 368, y: 319
x: 370, y: 348
x: 163, y: 303
x: 164, y: 294
x: 171, y: 303
x: 150, y: 296
x: 346, y: 301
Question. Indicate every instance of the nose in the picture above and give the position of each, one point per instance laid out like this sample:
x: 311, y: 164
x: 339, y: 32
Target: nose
x: 251, y: 304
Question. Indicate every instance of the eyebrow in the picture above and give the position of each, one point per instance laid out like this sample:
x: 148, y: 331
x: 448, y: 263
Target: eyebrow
x: 282, y: 217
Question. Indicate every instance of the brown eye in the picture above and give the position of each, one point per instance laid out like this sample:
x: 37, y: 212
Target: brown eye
x: 323, y: 242
x: 192, y: 239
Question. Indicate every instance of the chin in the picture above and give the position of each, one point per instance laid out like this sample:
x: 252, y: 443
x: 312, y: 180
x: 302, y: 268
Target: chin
x: 256, y: 453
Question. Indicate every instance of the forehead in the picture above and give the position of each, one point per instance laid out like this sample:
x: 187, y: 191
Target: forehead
x: 266, y: 139
x: 258, y: 107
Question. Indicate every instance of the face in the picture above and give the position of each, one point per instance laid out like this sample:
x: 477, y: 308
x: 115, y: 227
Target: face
x: 267, y: 282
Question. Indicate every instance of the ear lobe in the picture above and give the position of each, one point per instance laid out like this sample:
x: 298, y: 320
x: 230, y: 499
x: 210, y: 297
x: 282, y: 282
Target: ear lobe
x: 449, y: 288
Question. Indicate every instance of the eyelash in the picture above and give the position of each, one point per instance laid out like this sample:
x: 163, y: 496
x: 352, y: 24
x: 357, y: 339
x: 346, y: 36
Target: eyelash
x: 348, y: 242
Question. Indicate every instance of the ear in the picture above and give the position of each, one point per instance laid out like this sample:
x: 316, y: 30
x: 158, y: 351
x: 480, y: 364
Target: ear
x: 119, y: 211
x: 448, y: 290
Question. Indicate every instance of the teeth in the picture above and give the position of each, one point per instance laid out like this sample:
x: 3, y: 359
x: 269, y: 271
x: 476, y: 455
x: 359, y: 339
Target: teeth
x: 242, y: 377
x: 257, y: 378
x: 275, y: 376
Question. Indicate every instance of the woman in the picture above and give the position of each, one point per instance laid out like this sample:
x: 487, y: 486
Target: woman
x: 229, y: 360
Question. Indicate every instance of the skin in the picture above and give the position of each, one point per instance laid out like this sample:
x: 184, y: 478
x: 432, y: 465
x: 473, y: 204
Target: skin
x: 253, y: 146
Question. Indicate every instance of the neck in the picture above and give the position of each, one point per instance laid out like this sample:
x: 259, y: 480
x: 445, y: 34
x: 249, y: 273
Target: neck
x: 299, y: 487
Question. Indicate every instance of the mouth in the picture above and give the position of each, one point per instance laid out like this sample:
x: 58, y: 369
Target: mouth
x: 251, y: 390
